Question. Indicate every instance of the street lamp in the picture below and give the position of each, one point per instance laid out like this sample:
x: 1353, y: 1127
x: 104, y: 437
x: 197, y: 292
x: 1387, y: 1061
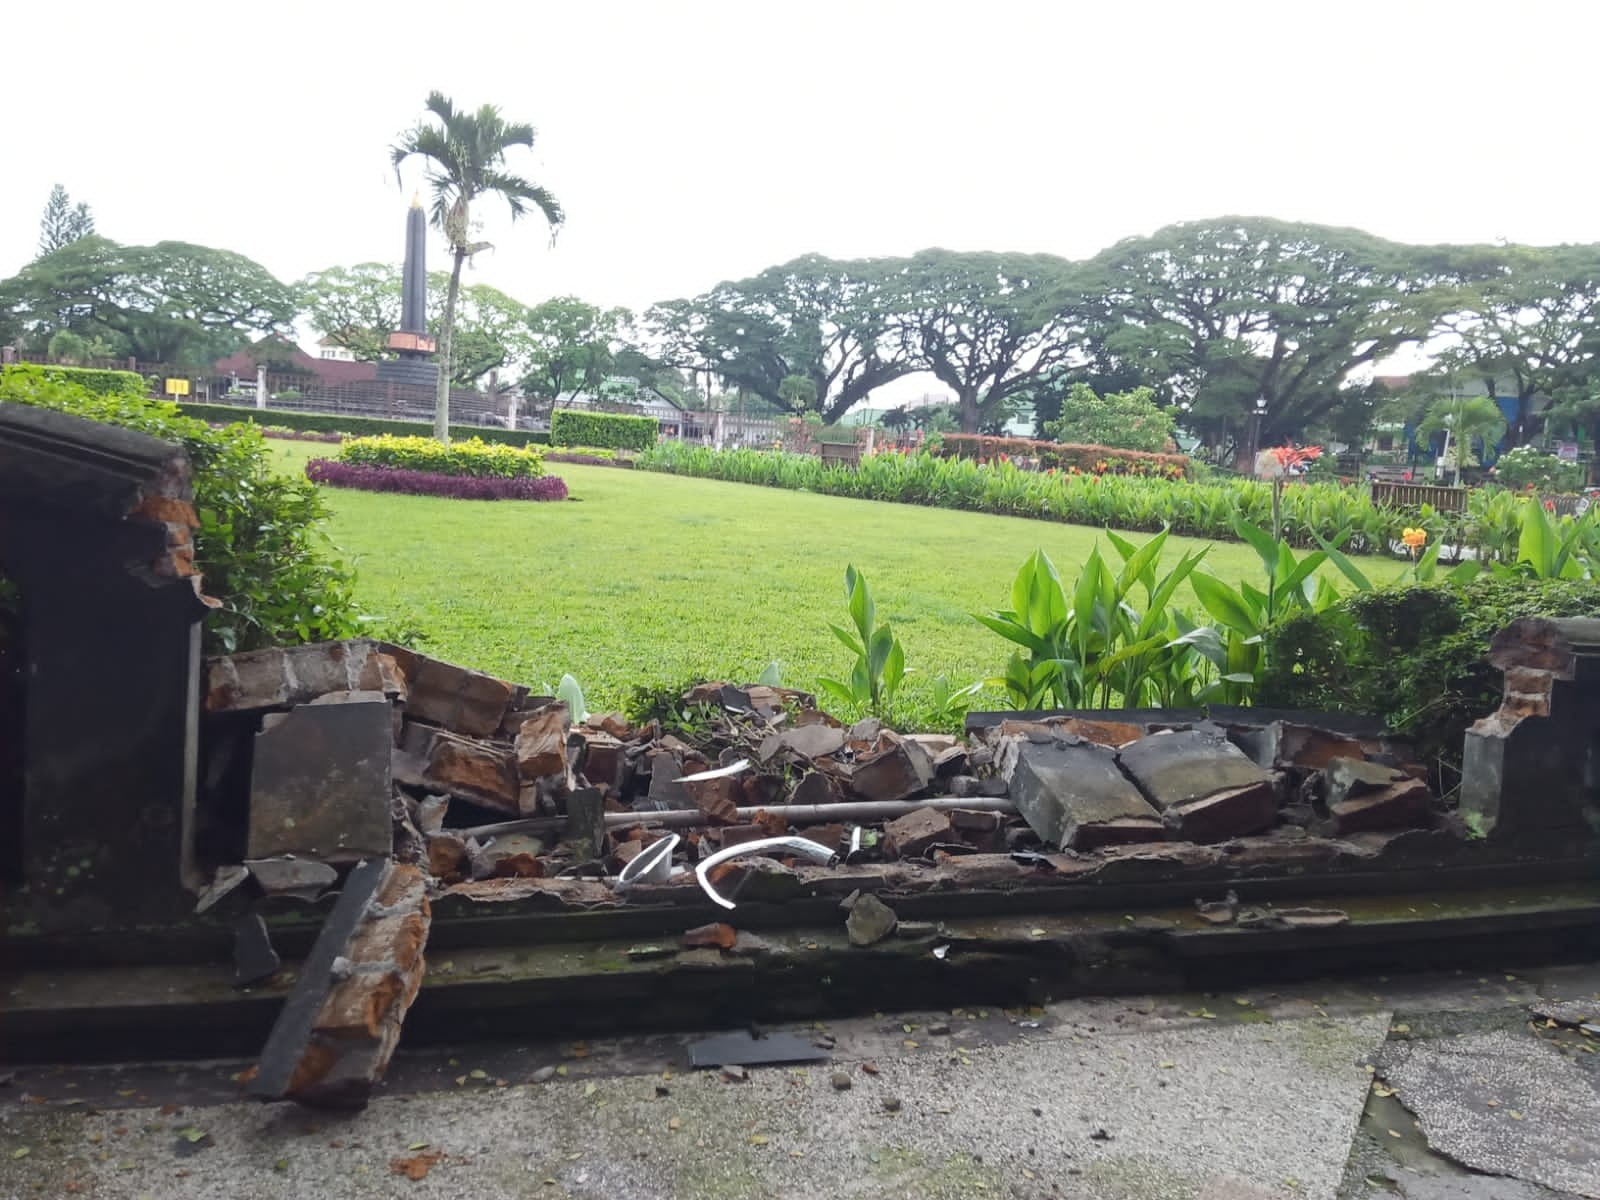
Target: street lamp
x: 1256, y: 417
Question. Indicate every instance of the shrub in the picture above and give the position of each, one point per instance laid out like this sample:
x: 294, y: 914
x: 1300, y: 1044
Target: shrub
x: 1205, y: 510
x: 471, y: 457
x: 96, y: 382
x: 612, y: 431
x: 355, y: 426
x: 259, y: 544
x: 433, y: 483
x: 1128, y: 420
x: 1527, y: 467
x: 1065, y: 456
x: 1414, y: 656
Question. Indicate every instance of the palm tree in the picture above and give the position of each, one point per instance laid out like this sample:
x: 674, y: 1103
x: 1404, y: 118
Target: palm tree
x: 465, y: 155
x: 1462, y: 418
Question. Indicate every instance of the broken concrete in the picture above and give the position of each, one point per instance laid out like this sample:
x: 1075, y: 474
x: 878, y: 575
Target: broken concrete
x: 1520, y: 781
x: 320, y: 784
x: 1074, y: 796
x: 444, y: 694
x: 914, y: 834
x: 902, y: 770
x: 482, y: 772
x: 541, y: 742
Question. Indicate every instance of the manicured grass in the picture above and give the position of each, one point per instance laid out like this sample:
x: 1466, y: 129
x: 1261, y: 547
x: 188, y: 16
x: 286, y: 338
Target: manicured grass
x: 645, y: 578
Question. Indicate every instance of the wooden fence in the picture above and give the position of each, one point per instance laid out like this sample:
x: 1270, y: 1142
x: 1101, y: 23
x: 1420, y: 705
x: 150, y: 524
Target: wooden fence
x: 1415, y: 495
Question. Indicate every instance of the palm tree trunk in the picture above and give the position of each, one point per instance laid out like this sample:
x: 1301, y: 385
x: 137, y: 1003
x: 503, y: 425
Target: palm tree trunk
x: 441, y: 404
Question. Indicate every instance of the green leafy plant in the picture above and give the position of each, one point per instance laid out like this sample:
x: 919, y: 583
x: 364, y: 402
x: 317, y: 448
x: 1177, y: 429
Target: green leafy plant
x: 228, y: 414
x: 1526, y: 466
x: 613, y: 431
x: 1080, y: 648
x: 880, y: 659
x: 472, y: 457
x: 1553, y: 548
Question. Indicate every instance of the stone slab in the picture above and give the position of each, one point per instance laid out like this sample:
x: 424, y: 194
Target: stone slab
x: 1179, y: 768
x: 320, y: 783
x: 1076, y: 797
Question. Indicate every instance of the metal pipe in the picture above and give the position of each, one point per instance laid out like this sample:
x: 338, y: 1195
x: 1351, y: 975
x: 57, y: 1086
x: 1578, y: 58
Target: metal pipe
x: 793, y: 814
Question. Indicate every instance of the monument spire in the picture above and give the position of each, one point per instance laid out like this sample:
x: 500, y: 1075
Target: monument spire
x: 412, y: 341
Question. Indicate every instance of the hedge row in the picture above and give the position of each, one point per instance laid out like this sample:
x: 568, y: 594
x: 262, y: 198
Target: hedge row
x: 93, y: 380
x: 369, y: 478
x: 356, y: 426
x: 1064, y: 456
x: 471, y: 456
x: 611, y: 431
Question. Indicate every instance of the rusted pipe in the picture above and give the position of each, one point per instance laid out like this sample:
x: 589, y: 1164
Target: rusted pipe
x: 793, y: 814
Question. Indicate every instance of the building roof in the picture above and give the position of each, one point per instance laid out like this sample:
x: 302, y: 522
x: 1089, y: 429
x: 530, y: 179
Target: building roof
x: 330, y: 371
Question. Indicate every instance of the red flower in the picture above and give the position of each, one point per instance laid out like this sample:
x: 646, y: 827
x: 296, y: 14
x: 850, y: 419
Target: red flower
x: 1549, y: 506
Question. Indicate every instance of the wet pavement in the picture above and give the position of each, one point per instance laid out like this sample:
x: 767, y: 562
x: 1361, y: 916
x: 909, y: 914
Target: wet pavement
x: 1438, y: 1087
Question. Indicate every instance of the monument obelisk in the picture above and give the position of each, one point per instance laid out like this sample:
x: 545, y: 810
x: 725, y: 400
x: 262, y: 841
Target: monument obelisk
x: 412, y: 341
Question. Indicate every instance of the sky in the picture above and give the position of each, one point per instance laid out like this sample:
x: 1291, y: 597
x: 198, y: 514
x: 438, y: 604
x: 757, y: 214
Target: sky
x: 692, y: 141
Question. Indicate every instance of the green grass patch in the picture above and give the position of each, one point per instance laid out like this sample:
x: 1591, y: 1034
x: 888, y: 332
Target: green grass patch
x: 650, y: 578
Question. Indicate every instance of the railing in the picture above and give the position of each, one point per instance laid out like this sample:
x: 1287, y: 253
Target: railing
x: 1415, y: 495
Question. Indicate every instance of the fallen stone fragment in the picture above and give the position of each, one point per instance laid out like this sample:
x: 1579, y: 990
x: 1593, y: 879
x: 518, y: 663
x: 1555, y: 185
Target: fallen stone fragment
x: 1400, y: 806
x: 717, y: 935
x: 902, y: 770
x: 509, y: 856
x: 726, y: 1050
x: 1075, y: 797
x: 1345, y: 778
x: 286, y: 676
x: 292, y: 876
x: 478, y: 771
x: 1206, y: 787
x: 841, y: 1081
x: 254, y: 959
x: 542, y: 741
x: 222, y: 884
x: 891, y: 1104
x: 914, y: 834
x: 813, y: 741
x: 320, y: 783
x: 585, y: 830
x: 1285, y: 745
x: 447, y: 854
x: 717, y: 792
x: 870, y: 921
x: 465, y: 701
x: 817, y: 787
x: 603, y: 758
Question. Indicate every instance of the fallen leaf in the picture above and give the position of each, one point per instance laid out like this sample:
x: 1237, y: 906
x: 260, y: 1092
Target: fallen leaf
x: 191, y: 1134
x: 281, y: 1165
x: 415, y: 1166
x: 1036, y: 933
x: 1243, y: 1001
x: 589, y: 1089
x: 417, y: 1146
x: 758, y: 1139
x: 22, y: 1152
x: 561, y: 1070
x: 1514, y: 1114
x: 1394, y: 1133
x: 909, y: 1044
x: 478, y: 1073
x: 1166, y: 1066
x: 716, y: 936
x: 1399, y: 1029
x: 675, y: 1124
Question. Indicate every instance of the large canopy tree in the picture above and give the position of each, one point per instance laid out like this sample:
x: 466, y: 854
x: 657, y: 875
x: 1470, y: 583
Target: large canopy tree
x: 825, y: 319
x: 168, y: 303
x: 465, y: 155
x: 570, y: 345
x: 989, y: 326
x: 1220, y: 314
x: 354, y: 307
x: 1529, y: 326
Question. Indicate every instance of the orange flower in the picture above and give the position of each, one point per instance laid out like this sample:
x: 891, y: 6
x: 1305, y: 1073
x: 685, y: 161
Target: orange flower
x: 1414, y: 538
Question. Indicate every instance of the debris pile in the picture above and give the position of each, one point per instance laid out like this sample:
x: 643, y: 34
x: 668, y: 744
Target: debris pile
x: 447, y: 783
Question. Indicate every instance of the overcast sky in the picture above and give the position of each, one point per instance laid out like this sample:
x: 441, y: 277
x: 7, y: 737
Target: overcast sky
x: 692, y: 141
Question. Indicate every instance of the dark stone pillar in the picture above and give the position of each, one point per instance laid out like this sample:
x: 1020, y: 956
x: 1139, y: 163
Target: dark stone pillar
x: 112, y: 683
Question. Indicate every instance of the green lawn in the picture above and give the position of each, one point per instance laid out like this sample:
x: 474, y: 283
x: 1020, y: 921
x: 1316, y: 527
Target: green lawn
x: 649, y: 578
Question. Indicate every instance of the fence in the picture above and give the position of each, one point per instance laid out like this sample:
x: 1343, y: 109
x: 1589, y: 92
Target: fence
x: 1415, y: 495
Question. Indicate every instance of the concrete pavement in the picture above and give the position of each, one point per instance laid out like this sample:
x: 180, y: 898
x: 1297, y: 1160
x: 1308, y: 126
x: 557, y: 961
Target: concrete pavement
x: 1433, y: 1088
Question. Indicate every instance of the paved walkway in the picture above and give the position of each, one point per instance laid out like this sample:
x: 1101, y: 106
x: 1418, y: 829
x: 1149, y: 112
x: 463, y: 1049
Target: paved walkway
x: 1433, y: 1088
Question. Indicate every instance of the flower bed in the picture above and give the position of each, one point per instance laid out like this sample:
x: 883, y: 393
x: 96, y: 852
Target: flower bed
x: 372, y: 478
x: 1065, y: 456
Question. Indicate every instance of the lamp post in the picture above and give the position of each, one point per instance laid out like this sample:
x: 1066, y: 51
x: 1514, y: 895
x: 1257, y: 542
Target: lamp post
x: 1256, y: 417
